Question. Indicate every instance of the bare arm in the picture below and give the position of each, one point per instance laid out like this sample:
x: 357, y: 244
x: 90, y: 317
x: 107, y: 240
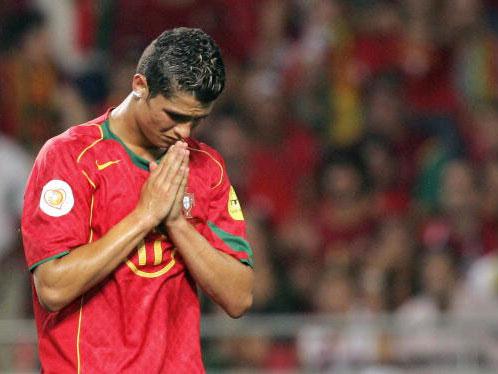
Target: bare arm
x: 227, y: 281
x: 60, y: 281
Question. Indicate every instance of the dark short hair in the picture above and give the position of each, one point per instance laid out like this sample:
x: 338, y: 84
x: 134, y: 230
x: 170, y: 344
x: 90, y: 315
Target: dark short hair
x: 183, y: 60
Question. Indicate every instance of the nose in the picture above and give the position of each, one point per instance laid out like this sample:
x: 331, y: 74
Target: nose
x: 182, y: 130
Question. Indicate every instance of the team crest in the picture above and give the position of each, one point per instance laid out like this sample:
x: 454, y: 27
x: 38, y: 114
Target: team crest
x: 188, y: 204
x: 56, y: 198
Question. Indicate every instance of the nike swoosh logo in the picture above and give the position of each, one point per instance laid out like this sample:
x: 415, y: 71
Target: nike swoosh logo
x: 106, y: 164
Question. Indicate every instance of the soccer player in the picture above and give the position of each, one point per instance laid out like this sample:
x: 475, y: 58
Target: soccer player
x: 126, y: 214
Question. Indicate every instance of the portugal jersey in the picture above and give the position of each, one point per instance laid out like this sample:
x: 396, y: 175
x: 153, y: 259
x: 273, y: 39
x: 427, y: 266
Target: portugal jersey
x: 145, y: 316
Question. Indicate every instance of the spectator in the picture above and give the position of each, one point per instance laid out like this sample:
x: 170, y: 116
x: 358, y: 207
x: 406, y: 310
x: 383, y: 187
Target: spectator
x: 345, y: 216
x: 427, y: 339
x: 459, y: 224
x: 33, y: 100
x: 14, y: 280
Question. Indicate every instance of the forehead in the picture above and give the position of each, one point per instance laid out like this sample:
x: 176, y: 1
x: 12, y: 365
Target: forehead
x: 182, y: 103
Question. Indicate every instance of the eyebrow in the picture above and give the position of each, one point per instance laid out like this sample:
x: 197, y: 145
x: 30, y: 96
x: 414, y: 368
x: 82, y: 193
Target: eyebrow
x: 181, y: 117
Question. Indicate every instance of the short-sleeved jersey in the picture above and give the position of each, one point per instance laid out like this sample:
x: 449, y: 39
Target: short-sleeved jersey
x: 145, y: 316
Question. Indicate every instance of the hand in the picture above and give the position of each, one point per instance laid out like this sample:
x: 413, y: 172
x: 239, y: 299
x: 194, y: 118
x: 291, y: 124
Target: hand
x: 176, y: 213
x: 160, y: 191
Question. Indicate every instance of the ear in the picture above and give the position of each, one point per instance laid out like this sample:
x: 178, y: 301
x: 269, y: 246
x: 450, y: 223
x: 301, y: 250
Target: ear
x: 139, y: 86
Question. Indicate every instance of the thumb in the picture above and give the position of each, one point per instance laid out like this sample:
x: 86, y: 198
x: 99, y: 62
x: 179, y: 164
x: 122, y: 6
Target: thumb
x: 152, y: 165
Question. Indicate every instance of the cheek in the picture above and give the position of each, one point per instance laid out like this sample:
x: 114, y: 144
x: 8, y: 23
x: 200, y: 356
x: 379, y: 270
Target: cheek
x: 150, y: 123
x: 147, y: 124
x: 161, y: 121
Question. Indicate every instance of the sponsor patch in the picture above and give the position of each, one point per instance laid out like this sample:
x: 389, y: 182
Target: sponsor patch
x: 56, y: 198
x: 234, y: 208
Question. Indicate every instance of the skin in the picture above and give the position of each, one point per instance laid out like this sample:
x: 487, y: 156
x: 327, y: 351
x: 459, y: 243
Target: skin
x: 150, y: 127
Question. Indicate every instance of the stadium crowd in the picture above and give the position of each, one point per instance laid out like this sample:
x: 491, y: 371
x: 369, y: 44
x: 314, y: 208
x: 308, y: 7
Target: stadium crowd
x: 361, y: 137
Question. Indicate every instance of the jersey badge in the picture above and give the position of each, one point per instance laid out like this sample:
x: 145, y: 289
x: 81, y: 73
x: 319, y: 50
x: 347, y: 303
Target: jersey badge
x: 188, y: 204
x: 56, y: 198
x: 154, y: 257
x: 234, y: 206
x: 105, y: 164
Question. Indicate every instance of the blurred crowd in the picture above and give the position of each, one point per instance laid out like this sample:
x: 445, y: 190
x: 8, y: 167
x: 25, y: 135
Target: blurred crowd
x: 361, y: 137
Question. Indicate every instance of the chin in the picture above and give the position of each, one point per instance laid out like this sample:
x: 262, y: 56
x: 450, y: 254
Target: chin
x: 162, y: 144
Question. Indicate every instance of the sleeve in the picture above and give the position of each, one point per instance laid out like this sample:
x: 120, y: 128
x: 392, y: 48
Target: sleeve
x: 227, y: 229
x: 57, y: 207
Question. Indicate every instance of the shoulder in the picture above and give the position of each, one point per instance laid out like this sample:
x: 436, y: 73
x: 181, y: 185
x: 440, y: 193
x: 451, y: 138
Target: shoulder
x: 61, y: 155
x: 72, y: 143
x: 202, y: 150
x: 208, y: 160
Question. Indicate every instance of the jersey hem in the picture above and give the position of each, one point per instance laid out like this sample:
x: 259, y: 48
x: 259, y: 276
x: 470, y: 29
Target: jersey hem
x: 58, y: 255
x: 235, y: 243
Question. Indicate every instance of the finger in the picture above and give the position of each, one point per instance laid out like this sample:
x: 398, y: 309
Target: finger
x: 179, y: 178
x: 183, y: 184
x: 172, y: 168
x: 169, y: 155
x: 180, y: 193
x: 158, y: 174
x: 170, y: 152
x: 153, y: 165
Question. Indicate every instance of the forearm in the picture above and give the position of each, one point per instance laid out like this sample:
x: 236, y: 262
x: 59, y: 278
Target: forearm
x: 59, y: 282
x: 224, y: 279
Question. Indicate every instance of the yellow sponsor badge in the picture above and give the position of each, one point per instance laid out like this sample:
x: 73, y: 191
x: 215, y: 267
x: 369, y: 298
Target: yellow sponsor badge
x: 234, y: 206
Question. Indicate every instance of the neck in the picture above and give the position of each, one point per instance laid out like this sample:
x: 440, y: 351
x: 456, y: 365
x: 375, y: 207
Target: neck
x: 123, y: 124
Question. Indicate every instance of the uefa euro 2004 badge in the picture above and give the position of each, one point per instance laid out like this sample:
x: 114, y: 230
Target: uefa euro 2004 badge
x: 188, y: 204
x: 234, y: 208
x: 56, y: 198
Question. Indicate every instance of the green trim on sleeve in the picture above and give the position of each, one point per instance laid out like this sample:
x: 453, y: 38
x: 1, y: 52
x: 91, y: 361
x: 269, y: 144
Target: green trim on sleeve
x: 248, y: 262
x: 58, y: 255
x: 236, y: 243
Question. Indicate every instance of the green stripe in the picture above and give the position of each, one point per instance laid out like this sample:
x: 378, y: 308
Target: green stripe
x: 234, y: 242
x: 141, y: 162
x: 32, y: 267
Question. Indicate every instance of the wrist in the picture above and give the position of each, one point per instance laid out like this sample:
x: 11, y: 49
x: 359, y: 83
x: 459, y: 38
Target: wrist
x: 176, y: 225
x: 143, y: 220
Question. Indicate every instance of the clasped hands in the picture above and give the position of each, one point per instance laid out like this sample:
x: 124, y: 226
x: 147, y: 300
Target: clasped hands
x: 162, y: 193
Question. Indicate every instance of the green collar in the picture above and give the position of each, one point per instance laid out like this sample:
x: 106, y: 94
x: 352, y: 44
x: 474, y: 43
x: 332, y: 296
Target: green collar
x: 139, y: 161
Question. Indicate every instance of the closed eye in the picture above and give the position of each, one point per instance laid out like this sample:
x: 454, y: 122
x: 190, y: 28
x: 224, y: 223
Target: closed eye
x: 183, y: 118
x: 178, y: 118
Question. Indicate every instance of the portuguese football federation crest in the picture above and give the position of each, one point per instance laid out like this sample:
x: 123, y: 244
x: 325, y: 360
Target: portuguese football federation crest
x: 188, y: 204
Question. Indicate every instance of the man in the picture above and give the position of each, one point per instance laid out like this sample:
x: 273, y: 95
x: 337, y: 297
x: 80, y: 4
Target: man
x: 126, y: 214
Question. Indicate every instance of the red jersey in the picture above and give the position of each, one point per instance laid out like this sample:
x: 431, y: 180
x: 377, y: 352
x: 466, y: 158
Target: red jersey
x: 145, y: 316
